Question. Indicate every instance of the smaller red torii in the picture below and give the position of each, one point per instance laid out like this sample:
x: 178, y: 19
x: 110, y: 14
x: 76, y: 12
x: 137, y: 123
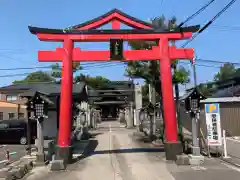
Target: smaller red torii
x: 87, y: 32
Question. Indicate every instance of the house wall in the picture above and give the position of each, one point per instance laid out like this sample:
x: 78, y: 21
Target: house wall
x: 50, y: 125
x: 19, y: 100
x: 15, y: 106
x: 230, y: 118
x: 229, y: 115
x: 7, y: 107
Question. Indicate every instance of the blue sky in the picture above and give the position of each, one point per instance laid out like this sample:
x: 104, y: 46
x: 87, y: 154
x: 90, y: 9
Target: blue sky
x: 18, y: 48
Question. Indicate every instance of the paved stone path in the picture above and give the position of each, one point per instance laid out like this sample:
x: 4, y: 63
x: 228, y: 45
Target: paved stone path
x: 119, y: 157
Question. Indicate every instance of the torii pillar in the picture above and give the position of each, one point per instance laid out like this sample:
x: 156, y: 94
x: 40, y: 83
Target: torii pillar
x: 64, y: 139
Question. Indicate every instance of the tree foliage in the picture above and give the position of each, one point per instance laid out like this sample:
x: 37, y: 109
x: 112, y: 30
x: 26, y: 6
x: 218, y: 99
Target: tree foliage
x: 226, y: 71
x: 206, y: 90
x: 38, y: 76
x: 97, y: 82
x: 57, y: 69
x: 150, y: 71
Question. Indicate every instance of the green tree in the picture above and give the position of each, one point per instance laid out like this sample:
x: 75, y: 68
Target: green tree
x: 57, y: 69
x: 206, y: 90
x: 226, y: 71
x: 149, y: 71
x: 38, y: 76
x: 97, y: 82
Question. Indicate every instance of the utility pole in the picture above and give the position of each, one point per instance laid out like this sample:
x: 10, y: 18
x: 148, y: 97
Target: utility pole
x: 194, y: 74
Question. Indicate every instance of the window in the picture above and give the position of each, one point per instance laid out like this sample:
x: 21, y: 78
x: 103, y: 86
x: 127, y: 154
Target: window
x: 10, y: 116
x: 3, y: 126
x: 20, y: 115
x: 12, y: 97
x: 1, y: 115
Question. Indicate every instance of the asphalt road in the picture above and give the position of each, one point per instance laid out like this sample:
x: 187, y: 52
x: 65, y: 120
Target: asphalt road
x: 19, y: 149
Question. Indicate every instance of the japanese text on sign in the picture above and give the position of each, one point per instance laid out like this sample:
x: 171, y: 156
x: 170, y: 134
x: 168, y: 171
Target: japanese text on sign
x: 213, y: 124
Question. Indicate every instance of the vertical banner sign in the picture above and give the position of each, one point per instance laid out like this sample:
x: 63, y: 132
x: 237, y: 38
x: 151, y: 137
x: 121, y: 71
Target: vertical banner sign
x: 116, y: 49
x: 214, y: 134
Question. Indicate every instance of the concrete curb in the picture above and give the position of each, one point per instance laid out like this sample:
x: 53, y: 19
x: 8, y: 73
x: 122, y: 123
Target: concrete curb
x: 16, y: 172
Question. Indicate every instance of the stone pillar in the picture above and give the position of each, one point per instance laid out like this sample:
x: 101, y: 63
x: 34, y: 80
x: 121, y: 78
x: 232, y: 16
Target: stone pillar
x: 138, y: 103
x: 94, y: 119
x: 121, y: 116
x: 40, y: 142
x: 129, y: 116
x: 88, y: 112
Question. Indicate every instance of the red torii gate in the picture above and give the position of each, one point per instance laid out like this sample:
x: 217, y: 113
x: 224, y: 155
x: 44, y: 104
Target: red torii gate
x: 87, y: 32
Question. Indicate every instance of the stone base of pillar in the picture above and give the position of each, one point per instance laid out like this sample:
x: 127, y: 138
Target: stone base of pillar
x: 57, y: 165
x: 172, y: 149
x: 65, y: 154
x: 196, y: 160
x: 40, y: 158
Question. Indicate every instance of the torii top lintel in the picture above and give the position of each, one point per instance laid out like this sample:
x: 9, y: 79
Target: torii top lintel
x: 142, y: 30
x: 87, y: 32
x: 113, y: 15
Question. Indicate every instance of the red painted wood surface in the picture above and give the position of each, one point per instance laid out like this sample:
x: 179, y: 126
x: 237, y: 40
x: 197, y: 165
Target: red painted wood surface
x: 167, y: 93
x: 107, y: 37
x: 115, y: 16
x: 65, y: 123
x: 130, y: 55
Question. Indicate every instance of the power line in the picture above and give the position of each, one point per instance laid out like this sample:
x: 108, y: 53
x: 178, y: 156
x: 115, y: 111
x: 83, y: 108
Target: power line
x: 13, y: 75
x: 103, y: 66
x: 220, y: 62
x: 51, y: 66
x: 210, y: 22
x: 203, y: 65
x: 102, y: 63
x: 225, y: 26
x: 24, y: 74
x: 8, y: 49
x: 196, y: 13
x: 108, y: 64
x: 25, y: 68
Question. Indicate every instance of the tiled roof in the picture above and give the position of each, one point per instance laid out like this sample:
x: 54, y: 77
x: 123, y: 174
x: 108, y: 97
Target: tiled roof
x: 221, y: 100
x: 228, y: 92
x: 46, y: 88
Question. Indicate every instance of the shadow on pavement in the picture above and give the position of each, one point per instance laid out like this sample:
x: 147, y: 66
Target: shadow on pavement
x: 93, y: 134
x: 88, y: 151
x: 132, y: 150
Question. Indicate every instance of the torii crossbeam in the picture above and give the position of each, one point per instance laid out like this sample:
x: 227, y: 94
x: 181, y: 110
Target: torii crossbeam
x: 87, y: 32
